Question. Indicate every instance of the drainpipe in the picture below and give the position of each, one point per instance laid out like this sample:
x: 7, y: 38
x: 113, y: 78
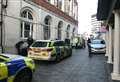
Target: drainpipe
x: 1, y: 44
x: 3, y: 6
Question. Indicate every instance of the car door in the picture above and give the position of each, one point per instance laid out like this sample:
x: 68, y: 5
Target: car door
x: 59, y: 48
x: 3, y: 70
x: 62, y: 46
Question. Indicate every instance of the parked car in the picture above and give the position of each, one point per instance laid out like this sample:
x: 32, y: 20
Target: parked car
x: 97, y: 46
x: 50, y: 50
x: 78, y: 42
x: 15, y: 68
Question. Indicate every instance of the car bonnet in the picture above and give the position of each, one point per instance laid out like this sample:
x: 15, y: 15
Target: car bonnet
x: 13, y: 57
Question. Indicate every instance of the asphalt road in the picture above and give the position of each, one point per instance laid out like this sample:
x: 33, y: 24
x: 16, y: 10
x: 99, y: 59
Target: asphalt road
x: 77, y: 68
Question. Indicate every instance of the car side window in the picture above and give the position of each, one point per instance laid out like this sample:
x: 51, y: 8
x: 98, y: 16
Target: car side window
x: 50, y: 44
x: 58, y: 43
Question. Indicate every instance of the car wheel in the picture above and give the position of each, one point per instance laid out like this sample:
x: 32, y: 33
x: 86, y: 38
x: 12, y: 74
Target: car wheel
x: 24, y: 76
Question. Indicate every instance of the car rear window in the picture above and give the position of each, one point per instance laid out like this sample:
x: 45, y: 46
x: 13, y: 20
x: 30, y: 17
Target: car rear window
x: 39, y: 44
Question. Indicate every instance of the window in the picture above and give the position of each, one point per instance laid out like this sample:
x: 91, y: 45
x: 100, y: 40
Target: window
x: 47, y: 28
x: 40, y: 44
x: 67, y: 31
x: 98, y: 42
x: 59, y: 33
x: 59, y: 43
x: 50, y: 44
x: 60, y: 24
x: 59, y: 4
x: 26, y: 27
x: 73, y: 33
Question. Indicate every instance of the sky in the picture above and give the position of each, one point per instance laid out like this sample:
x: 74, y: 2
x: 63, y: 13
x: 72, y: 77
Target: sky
x: 86, y: 8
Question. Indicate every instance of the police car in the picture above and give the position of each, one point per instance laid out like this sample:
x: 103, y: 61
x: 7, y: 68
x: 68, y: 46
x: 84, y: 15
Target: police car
x: 50, y: 50
x: 15, y: 68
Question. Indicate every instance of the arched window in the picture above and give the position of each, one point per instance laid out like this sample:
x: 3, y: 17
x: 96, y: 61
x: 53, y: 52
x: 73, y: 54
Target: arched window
x: 73, y: 32
x: 59, y: 4
x: 26, y: 26
x: 47, y: 22
x: 60, y: 24
x: 67, y: 31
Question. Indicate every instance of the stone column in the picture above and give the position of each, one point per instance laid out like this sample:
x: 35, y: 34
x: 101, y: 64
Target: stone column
x: 52, y: 2
x: 63, y: 5
x: 70, y: 12
x: 110, y: 46
x: 107, y: 43
x: 116, y: 63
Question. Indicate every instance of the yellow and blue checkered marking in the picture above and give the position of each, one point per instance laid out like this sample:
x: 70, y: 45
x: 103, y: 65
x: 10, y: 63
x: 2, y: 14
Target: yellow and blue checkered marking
x: 10, y: 68
x: 14, y: 66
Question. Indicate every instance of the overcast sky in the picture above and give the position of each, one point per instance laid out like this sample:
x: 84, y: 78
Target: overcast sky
x: 86, y: 9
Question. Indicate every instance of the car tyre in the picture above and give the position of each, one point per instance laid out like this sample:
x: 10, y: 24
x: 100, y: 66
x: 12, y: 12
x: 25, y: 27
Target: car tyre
x: 24, y: 75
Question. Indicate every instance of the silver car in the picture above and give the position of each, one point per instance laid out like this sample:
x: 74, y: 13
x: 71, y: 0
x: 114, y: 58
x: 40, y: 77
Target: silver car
x: 97, y: 46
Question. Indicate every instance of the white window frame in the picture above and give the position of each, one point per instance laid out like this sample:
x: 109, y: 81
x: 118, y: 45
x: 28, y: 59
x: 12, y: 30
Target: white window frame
x: 23, y: 25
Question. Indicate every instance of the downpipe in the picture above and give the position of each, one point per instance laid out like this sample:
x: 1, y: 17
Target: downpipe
x: 3, y: 6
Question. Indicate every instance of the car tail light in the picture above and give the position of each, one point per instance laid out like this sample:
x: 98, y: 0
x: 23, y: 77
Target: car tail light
x: 50, y: 49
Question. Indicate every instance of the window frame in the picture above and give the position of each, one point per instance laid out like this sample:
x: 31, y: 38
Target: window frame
x: 26, y: 16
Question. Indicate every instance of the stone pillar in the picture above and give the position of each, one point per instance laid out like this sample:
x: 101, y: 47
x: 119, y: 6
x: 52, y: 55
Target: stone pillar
x: 110, y: 46
x: 63, y: 5
x: 107, y: 43
x: 116, y: 63
x: 70, y: 12
x: 52, y: 2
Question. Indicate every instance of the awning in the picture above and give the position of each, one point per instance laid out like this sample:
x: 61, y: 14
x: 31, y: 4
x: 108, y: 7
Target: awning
x: 103, y: 9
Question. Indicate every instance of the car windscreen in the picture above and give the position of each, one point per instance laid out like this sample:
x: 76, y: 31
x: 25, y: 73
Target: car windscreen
x: 39, y: 44
x: 98, y: 42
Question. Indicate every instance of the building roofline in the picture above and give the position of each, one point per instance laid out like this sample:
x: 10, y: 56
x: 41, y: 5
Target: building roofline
x: 55, y: 10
